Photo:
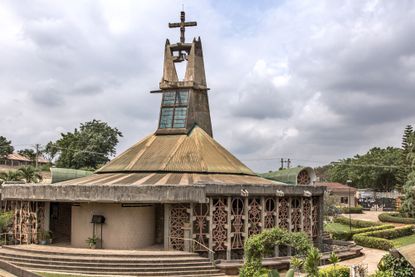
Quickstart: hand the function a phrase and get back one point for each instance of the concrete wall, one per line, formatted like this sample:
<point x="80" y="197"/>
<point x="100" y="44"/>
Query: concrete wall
<point x="339" y="195"/>
<point x="124" y="228"/>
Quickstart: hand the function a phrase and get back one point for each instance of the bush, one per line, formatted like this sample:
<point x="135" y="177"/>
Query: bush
<point x="347" y="235"/>
<point x="381" y="239"/>
<point x="373" y="242"/>
<point x="352" y="210"/>
<point x="382" y="274"/>
<point x="258" y="245"/>
<point x="397" y="266"/>
<point x="5" y="219"/>
<point x="356" y="222"/>
<point x="396" y="218"/>
<point x="335" y="271"/>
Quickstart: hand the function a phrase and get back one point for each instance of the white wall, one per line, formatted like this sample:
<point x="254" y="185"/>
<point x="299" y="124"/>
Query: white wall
<point x="124" y="228"/>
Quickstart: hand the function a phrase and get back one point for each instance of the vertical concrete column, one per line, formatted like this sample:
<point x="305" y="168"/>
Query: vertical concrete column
<point x="276" y="248"/>
<point x="320" y="219"/>
<point x="211" y="227"/>
<point x="277" y="218"/>
<point x="46" y="223"/>
<point x="302" y="213"/>
<point x="246" y="218"/>
<point x="167" y="208"/>
<point x="262" y="213"/>
<point x="311" y="217"/>
<point x="191" y="222"/>
<point x="229" y="229"/>
<point x="187" y="234"/>
<point x="289" y="222"/>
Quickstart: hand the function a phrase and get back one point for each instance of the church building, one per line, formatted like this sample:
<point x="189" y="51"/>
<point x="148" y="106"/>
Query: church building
<point x="177" y="188"/>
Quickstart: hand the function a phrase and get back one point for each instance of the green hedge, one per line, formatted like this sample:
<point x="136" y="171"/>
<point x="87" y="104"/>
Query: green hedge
<point x="356" y="222"/>
<point x="352" y="210"/>
<point x="335" y="271"/>
<point x="347" y="235"/>
<point x="396" y="218"/>
<point x="381" y="239"/>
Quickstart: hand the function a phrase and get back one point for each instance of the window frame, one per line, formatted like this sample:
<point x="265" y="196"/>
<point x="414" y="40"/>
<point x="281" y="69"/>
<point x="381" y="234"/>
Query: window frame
<point x="178" y="104"/>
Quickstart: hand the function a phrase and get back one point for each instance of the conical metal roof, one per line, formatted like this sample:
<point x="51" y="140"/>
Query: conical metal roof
<point x="195" y="152"/>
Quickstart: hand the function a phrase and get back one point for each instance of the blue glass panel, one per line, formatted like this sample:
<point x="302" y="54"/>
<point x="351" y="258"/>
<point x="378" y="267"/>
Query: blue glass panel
<point x="169" y="98"/>
<point x="180" y="117"/>
<point x="166" y="118"/>
<point x="182" y="97"/>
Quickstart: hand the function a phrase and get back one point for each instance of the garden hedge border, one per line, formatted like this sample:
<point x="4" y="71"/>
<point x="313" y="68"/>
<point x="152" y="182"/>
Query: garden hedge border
<point x="395" y="218"/>
<point x="335" y="270"/>
<point x="347" y="235"/>
<point x="352" y="210"/>
<point x="381" y="239"/>
<point x="356" y="222"/>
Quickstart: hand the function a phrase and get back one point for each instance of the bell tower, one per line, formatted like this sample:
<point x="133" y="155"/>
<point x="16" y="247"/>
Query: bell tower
<point x="184" y="102"/>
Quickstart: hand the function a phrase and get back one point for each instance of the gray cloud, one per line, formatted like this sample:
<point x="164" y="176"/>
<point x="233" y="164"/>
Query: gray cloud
<point x="312" y="81"/>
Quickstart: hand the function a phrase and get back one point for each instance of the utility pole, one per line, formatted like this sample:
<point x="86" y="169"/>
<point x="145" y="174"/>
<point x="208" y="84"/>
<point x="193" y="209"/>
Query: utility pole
<point x="37" y="154"/>
<point x="288" y="162"/>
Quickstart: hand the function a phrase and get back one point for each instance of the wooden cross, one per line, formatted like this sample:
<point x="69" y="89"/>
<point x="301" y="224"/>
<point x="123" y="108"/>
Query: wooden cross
<point x="182" y="25"/>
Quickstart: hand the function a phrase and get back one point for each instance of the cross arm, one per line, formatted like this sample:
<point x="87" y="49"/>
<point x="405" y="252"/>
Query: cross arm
<point x="191" y="23"/>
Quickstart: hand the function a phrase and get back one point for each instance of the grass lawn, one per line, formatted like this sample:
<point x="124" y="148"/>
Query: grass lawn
<point x="337" y="227"/>
<point x="402" y="241"/>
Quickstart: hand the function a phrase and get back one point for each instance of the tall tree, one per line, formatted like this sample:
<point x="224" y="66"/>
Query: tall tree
<point x="50" y="151"/>
<point x="376" y="169"/>
<point x="89" y="147"/>
<point x="6" y="148"/>
<point x="408" y="205"/>
<point x="28" y="153"/>
<point x="407" y="148"/>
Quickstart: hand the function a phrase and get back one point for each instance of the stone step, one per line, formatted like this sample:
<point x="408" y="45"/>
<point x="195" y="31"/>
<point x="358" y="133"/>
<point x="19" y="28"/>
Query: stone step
<point x="204" y="273"/>
<point x="73" y="259"/>
<point x="120" y="264"/>
<point x="120" y="270"/>
<point x="100" y="263"/>
<point x="55" y="251"/>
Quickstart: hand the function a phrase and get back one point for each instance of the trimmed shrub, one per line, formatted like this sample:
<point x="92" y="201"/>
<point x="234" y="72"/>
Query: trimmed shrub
<point x="373" y="242"/>
<point x="396" y="218"/>
<point x="356" y="222"/>
<point x="347" y="235"/>
<point x="381" y="239"/>
<point x="352" y="210"/>
<point x="335" y="271"/>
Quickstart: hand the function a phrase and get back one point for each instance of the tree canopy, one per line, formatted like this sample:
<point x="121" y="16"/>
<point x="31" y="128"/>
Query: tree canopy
<point x="408" y="142"/>
<point x="90" y="146"/>
<point x="6" y="147"/>
<point x="377" y="169"/>
<point x="28" y="153"/>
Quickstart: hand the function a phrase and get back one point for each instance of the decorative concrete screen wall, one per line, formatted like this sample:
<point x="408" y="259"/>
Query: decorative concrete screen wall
<point x="224" y="223"/>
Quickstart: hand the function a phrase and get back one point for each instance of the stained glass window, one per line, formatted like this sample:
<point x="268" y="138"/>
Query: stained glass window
<point x="174" y="109"/>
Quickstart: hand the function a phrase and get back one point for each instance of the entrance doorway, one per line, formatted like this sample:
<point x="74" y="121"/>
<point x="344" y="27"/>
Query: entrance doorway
<point x="60" y="221"/>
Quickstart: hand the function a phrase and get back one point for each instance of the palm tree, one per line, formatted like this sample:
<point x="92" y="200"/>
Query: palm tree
<point x="30" y="174"/>
<point x="10" y="176"/>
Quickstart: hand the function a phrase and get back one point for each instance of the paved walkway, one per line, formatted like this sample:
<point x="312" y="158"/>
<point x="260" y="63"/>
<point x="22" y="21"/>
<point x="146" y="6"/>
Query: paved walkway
<point x="371" y="257"/>
<point x="370" y="216"/>
<point x="6" y="274"/>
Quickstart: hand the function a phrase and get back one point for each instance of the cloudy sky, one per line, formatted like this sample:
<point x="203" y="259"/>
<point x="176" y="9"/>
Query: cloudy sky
<point x="311" y="80"/>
